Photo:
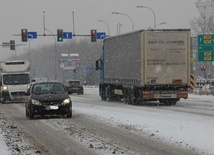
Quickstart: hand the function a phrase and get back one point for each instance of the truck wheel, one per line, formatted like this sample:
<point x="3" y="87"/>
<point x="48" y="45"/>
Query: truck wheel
<point x="130" y="97"/>
<point x="170" y="102"/>
<point x="173" y="102"/>
<point x="108" y="94"/>
<point x="103" y="98"/>
<point x="161" y="101"/>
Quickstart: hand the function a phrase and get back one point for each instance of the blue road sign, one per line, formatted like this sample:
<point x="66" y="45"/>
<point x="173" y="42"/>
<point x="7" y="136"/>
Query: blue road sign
<point x="78" y="64"/>
<point x="88" y="69"/>
<point x="101" y="35"/>
<point x="32" y="35"/>
<point x="67" y="35"/>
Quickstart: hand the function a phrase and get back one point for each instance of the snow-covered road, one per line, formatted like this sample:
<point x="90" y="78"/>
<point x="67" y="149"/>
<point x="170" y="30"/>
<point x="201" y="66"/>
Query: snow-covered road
<point x="189" y="130"/>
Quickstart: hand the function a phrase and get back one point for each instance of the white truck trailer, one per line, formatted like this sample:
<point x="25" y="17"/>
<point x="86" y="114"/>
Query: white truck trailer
<point x="14" y="80"/>
<point x="146" y="65"/>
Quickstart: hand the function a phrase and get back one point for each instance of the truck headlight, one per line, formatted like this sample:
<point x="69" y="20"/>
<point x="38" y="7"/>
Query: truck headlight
<point x="36" y="102"/>
<point x="28" y="86"/>
<point x="66" y="101"/>
<point x="5" y="88"/>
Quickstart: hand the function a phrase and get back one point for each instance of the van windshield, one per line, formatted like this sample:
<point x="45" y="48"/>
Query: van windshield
<point x="16" y="79"/>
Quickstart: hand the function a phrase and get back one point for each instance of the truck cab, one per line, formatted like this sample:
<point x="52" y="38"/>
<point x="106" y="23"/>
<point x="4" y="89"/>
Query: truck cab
<point x="14" y="80"/>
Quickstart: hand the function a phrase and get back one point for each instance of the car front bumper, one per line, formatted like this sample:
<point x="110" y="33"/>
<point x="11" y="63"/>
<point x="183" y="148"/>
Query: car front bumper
<point x="50" y="109"/>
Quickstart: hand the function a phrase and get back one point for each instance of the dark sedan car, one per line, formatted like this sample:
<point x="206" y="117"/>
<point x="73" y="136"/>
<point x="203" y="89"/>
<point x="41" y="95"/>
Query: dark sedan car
<point x="48" y="98"/>
<point x="74" y="86"/>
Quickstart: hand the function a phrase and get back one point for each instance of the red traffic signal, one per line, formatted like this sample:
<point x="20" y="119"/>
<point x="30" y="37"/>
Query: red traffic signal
<point x="24" y="35"/>
<point x="93" y="35"/>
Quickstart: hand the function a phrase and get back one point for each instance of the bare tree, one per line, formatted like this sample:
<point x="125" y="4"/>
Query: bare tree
<point x="205" y="23"/>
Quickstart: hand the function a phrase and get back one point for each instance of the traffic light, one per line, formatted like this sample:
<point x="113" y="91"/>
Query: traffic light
<point x="12" y="45"/>
<point x="97" y="64"/>
<point x="93" y="35"/>
<point x="24" y="35"/>
<point x="60" y="35"/>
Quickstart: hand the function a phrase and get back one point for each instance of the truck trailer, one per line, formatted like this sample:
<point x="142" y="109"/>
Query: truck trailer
<point x="145" y="65"/>
<point x="14" y="80"/>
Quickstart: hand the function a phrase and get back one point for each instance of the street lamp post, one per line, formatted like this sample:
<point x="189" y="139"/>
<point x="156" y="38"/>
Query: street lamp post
<point x="118" y="13"/>
<point x="106" y="25"/>
<point x="152" y="12"/>
<point x="118" y="28"/>
<point x="55" y="65"/>
<point x="161" y="24"/>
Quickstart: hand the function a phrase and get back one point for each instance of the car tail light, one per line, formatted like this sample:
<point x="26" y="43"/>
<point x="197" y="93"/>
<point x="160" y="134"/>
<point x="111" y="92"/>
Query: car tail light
<point x="68" y="85"/>
<point x="80" y="86"/>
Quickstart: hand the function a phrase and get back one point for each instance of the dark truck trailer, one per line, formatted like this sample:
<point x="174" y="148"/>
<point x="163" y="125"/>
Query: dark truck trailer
<point x="146" y="65"/>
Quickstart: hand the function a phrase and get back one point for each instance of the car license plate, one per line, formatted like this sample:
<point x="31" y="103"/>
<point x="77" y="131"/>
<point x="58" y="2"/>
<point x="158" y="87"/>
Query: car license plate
<point x="52" y="107"/>
<point x="165" y="95"/>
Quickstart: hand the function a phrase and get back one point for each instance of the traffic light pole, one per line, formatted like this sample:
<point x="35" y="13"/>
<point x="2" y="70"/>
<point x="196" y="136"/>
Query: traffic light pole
<point x="55" y="65"/>
<point x="44" y="23"/>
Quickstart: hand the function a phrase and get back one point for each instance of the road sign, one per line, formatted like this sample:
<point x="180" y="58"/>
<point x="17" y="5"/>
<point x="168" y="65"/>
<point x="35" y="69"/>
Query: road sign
<point x="5" y="44"/>
<point x="202" y="48"/>
<point x="78" y="64"/>
<point x="205" y="56"/>
<point x="206" y="47"/>
<point x="88" y="69"/>
<point x="101" y="35"/>
<point x="205" y="39"/>
<point x="67" y="35"/>
<point x="32" y="35"/>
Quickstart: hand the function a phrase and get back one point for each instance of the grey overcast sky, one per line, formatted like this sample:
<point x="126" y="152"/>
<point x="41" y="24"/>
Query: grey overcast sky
<point x="18" y="14"/>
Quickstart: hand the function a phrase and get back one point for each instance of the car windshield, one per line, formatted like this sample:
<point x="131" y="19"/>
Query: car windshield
<point x="74" y="83"/>
<point x="45" y="88"/>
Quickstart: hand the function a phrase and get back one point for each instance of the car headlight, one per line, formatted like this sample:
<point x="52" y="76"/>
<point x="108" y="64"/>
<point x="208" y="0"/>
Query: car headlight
<point x="36" y="102"/>
<point x="5" y="88"/>
<point x="66" y="101"/>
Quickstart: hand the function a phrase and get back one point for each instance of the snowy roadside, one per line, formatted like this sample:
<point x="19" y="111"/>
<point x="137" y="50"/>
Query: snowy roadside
<point x="188" y="130"/>
<point x="12" y="141"/>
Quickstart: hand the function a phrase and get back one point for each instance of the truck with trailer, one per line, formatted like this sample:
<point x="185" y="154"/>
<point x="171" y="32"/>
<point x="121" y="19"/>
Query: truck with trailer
<point x="14" y="80"/>
<point x="145" y="65"/>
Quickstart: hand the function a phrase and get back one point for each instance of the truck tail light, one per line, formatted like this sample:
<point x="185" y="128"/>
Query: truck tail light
<point x="184" y="92"/>
<point x="148" y="95"/>
<point x="145" y="93"/>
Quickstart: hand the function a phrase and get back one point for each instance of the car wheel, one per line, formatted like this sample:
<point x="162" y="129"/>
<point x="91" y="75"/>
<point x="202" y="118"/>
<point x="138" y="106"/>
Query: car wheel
<point x="31" y="114"/>
<point x="3" y="100"/>
<point x="69" y="114"/>
<point x="26" y="112"/>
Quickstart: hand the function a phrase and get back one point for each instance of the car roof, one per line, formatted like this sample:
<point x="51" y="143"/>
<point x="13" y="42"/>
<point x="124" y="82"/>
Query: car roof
<point x="73" y="80"/>
<point x="47" y="82"/>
